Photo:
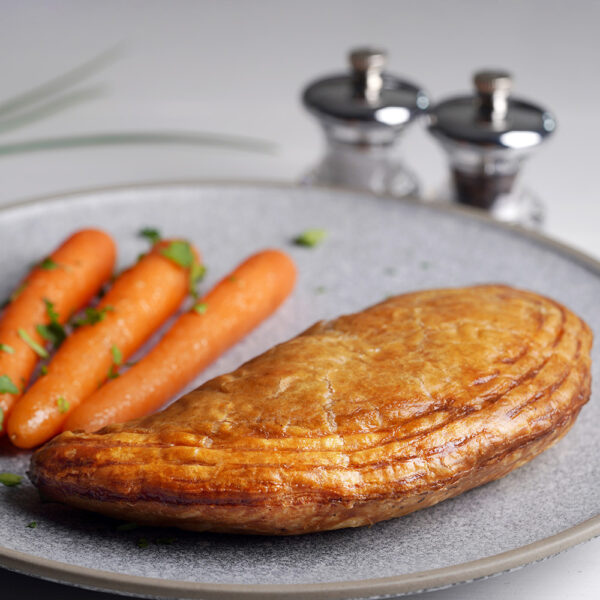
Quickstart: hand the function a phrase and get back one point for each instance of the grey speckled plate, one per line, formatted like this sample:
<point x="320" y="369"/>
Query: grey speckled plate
<point x="376" y="247"/>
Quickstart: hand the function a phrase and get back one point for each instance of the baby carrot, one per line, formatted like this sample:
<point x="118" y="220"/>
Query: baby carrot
<point x="54" y="289"/>
<point x="141" y="299"/>
<point x="236" y="305"/>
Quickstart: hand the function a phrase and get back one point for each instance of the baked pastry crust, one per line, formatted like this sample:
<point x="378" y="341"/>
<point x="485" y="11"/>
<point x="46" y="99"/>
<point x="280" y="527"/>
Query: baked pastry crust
<point x="363" y="418"/>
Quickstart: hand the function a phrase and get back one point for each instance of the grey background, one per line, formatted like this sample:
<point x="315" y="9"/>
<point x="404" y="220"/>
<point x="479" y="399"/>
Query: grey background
<point x="238" y="67"/>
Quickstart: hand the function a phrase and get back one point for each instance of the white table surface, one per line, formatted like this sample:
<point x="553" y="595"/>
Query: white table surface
<point x="237" y="68"/>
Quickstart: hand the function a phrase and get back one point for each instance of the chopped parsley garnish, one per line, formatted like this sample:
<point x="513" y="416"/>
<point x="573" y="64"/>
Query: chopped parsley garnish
<point x="7" y="386"/>
<point x="15" y="294"/>
<point x="48" y="264"/>
<point x="310" y="237"/>
<point x="54" y="332"/>
<point x="145" y="542"/>
<point x="10" y="479"/>
<point x="52" y="314"/>
<point x="6" y="348"/>
<point x="39" y="350"/>
<point x="18" y="291"/>
<point x="62" y="404"/>
<point x="151" y="234"/>
<point x="92" y="316"/>
<point x="166" y="541"/>
<point x="127" y="526"/>
<point x="44" y="370"/>
<point x="197" y="274"/>
<point x="117" y="355"/>
<point x="180" y="252"/>
<point x="200" y="308"/>
<point x="32" y="525"/>
<point x="113" y="372"/>
<point x="55" y="335"/>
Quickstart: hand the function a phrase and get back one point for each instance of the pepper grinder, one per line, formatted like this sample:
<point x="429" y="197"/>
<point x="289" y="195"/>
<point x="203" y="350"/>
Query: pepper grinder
<point x="362" y="114"/>
<point x="487" y="137"/>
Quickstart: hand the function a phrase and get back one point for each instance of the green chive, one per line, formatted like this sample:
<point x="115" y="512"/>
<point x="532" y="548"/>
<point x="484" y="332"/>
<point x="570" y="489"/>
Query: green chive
<point x="44" y="370"/>
<point x="63" y="405"/>
<point x="200" y="308"/>
<point x="310" y="237"/>
<point x="10" y="479"/>
<point x="7" y="386"/>
<point x="180" y="252"/>
<point x="6" y="348"/>
<point x="39" y="350"/>
<point x="32" y="525"/>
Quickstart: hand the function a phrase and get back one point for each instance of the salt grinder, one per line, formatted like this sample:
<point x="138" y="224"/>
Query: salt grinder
<point x="362" y="114"/>
<point x="487" y="137"/>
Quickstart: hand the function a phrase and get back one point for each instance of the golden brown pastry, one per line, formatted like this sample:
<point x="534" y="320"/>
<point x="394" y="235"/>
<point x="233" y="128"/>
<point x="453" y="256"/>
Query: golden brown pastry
<point x="363" y="418"/>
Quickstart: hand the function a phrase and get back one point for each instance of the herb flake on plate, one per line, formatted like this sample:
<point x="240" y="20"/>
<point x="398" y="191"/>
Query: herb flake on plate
<point x="10" y="479"/>
<point x="310" y="238"/>
<point x="151" y="234"/>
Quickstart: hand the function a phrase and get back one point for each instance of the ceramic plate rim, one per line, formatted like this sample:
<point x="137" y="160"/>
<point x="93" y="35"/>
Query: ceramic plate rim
<point x="365" y="588"/>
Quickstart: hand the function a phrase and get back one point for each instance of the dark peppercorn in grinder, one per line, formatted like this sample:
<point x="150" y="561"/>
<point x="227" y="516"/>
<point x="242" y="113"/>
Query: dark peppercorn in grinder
<point x="487" y="137"/>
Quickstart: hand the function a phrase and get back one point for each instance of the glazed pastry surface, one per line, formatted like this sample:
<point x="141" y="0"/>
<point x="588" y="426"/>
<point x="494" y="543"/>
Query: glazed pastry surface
<point x="363" y="418"/>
